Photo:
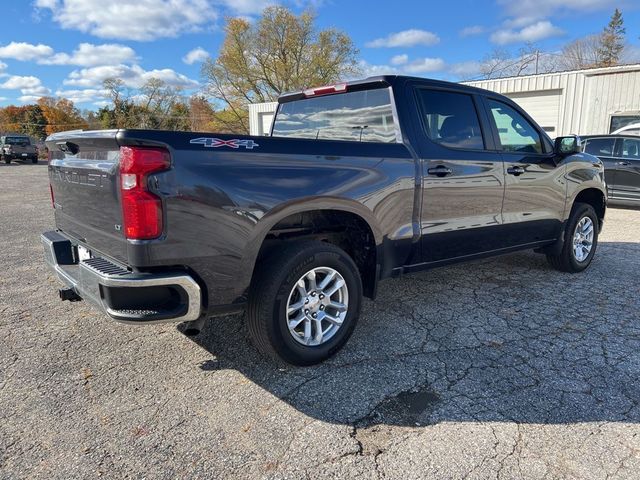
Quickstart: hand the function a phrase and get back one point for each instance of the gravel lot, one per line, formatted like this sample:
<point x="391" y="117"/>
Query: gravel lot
<point x="502" y="368"/>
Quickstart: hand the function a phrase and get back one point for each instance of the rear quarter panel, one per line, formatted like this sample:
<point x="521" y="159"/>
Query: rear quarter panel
<point x="222" y="202"/>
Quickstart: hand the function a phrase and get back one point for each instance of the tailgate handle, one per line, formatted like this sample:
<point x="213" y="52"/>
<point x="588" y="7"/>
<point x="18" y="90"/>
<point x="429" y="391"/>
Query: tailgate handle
<point x="440" y="171"/>
<point x="68" y="147"/>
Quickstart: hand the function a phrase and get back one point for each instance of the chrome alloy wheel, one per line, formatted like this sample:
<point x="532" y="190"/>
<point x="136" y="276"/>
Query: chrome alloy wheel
<point x="317" y="306"/>
<point x="583" y="239"/>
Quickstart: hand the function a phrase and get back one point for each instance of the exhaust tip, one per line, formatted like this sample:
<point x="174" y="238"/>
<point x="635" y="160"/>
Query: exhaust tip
<point x="193" y="329"/>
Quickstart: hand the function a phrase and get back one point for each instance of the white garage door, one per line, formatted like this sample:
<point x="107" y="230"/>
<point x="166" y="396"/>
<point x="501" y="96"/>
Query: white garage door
<point x="543" y="107"/>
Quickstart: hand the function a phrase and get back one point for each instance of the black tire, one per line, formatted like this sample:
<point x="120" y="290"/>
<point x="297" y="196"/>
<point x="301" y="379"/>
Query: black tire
<point x="274" y="280"/>
<point x="566" y="260"/>
<point x="6" y="160"/>
<point x="34" y="160"/>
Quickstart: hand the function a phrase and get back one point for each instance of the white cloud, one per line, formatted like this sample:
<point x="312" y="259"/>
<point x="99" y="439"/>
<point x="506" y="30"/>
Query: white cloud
<point x="406" y="38"/>
<point x="196" y="55"/>
<point x="400" y="59"/>
<point x="248" y="7"/>
<point x="545" y="8"/>
<point x="16" y="82"/>
<point x="87" y="95"/>
<point x="369" y="70"/>
<point x="131" y="19"/>
<point x="472" y="30"/>
<point x="133" y="76"/>
<point x="87" y="55"/>
<point x="414" y="67"/>
<point x="30" y="87"/>
<point x="425" y="65"/>
<point x="29" y="98"/>
<point x="25" y="51"/>
<point x="533" y="33"/>
<point x="465" y="70"/>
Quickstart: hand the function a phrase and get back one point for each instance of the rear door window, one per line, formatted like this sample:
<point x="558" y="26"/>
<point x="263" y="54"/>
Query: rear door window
<point x="363" y="116"/>
<point x="631" y="148"/>
<point x="516" y="133"/>
<point x="451" y="119"/>
<point x="602" y="147"/>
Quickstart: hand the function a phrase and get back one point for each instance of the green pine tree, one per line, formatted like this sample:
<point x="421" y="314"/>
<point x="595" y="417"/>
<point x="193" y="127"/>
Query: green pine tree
<point x="612" y="41"/>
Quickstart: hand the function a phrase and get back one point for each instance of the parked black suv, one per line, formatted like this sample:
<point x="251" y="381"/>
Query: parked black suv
<point x="621" y="157"/>
<point x="358" y="182"/>
<point x="17" y="147"/>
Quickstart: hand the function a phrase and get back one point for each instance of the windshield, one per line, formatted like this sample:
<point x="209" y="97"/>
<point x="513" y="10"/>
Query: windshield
<point x="17" y="141"/>
<point x="364" y="116"/>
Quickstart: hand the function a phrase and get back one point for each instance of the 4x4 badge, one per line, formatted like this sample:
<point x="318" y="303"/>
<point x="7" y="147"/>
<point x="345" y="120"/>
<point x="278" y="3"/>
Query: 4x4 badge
<point x="217" y="142"/>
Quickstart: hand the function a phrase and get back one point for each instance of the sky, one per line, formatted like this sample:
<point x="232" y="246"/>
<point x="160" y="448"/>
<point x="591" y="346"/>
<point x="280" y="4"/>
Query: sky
<point x="68" y="47"/>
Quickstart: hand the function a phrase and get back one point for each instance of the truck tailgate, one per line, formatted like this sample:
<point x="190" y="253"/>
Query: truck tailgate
<point x="83" y="172"/>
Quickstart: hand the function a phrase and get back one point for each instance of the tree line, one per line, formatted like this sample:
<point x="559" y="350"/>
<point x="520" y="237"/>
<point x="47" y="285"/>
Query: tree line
<point x="260" y="60"/>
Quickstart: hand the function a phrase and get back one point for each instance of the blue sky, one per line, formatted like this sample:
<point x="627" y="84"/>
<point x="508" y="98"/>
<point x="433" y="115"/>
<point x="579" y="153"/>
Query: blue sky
<point x="67" y="47"/>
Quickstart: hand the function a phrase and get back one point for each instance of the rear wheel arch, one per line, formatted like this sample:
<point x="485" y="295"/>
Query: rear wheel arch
<point x="347" y="229"/>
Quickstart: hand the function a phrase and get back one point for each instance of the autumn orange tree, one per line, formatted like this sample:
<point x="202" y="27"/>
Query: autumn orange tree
<point x="280" y="52"/>
<point x="27" y="119"/>
<point x="60" y="114"/>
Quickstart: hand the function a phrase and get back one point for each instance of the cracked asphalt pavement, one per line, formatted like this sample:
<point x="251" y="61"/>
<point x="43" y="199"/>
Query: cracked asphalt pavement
<point x="502" y="368"/>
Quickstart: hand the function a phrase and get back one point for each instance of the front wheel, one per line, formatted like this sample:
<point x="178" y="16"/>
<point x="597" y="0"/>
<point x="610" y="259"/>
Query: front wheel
<point x="580" y="241"/>
<point x="304" y="303"/>
<point x="6" y="160"/>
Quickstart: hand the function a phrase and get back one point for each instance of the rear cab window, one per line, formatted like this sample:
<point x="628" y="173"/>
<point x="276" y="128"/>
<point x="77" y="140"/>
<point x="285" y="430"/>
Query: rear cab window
<point x="451" y="119"/>
<point x="360" y="116"/>
<point x="17" y="141"/>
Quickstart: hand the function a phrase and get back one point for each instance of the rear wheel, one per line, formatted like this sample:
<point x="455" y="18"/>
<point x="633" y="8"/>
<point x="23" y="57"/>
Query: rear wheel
<point x="304" y="303"/>
<point x="580" y="241"/>
<point x="6" y="160"/>
<point x="34" y="160"/>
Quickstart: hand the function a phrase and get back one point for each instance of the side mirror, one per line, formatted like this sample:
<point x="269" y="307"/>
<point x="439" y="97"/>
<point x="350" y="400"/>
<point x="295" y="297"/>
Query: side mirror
<point x="565" y="146"/>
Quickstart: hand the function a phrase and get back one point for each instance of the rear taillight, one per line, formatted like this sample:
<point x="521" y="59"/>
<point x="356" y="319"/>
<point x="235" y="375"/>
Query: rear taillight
<point x="141" y="209"/>
<point x="53" y="200"/>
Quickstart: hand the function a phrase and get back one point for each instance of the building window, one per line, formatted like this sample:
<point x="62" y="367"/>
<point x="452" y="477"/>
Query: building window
<point x="619" y="121"/>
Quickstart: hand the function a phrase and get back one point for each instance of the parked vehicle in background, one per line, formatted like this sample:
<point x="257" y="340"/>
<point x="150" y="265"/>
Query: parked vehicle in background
<point x="358" y="182"/>
<point x="632" y="129"/>
<point x="17" y="147"/>
<point x="621" y="157"/>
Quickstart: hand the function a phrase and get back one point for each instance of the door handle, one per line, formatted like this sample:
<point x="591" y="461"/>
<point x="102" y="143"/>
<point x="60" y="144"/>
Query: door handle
<point x="623" y="163"/>
<point x="440" y="171"/>
<point x="515" y="171"/>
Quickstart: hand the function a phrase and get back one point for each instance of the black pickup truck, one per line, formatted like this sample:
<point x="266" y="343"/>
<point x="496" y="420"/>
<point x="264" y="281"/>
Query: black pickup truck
<point x="358" y="182"/>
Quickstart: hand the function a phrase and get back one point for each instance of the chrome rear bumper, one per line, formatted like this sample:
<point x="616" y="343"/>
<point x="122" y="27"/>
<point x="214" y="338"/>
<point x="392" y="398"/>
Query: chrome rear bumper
<point x="126" y="296"/>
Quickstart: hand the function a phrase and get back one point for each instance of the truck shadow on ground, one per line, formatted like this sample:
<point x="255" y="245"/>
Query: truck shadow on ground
<point x="506" y="339"/>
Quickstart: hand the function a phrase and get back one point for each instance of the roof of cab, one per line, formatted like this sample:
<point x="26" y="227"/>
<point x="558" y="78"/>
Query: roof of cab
<point x="380" y="81"/>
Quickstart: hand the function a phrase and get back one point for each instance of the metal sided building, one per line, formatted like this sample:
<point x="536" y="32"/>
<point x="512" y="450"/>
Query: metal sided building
<point x="583" y="102"/>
